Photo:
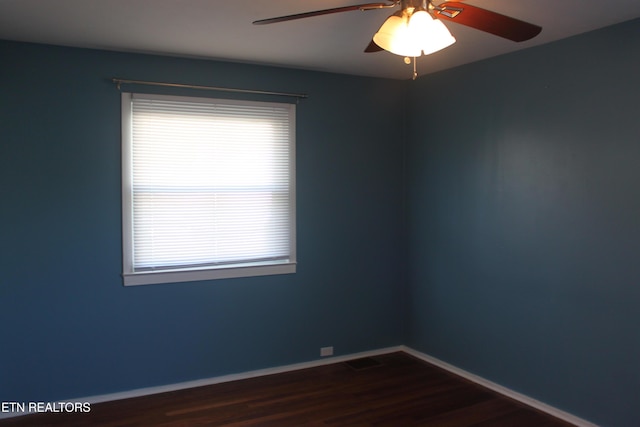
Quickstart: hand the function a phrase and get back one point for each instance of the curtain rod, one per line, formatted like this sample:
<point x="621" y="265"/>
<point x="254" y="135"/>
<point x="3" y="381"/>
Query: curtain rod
<point x="119" y="82"/>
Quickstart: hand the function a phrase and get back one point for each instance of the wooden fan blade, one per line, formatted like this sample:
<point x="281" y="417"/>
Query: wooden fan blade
<point x="487" y="21"/>
<point x="364" y="6"/>
<point x="373" y="47"/>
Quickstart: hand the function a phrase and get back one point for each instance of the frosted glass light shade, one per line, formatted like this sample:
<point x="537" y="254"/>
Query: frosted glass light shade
<point x="430" y="34"/>
<point x="411" y="35"/>
<point x="394" y="36"/>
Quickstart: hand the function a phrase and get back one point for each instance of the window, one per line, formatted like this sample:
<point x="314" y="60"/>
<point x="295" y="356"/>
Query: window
<point x="208" y="188"/>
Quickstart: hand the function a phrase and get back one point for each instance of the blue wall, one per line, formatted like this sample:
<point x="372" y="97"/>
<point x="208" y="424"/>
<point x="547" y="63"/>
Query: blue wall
<point x="70" y="328"/>
<point x="524" y="222"/>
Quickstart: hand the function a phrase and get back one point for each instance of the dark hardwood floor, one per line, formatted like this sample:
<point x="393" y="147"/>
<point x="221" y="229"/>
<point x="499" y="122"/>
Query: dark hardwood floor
<point x="399" y="391"/>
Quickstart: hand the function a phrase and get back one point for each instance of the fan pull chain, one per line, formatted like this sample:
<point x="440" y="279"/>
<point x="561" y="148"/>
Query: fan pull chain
<point x="407" y="61"/>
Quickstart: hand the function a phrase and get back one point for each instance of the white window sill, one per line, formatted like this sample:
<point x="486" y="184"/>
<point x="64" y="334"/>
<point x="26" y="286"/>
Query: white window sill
<point x="175" y="276"/>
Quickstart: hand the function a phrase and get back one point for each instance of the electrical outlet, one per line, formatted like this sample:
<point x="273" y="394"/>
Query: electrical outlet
<point x="326" y="351"/>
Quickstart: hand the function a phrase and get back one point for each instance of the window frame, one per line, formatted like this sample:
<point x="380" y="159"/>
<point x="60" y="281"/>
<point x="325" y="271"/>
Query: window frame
<point x="176" y="275"/>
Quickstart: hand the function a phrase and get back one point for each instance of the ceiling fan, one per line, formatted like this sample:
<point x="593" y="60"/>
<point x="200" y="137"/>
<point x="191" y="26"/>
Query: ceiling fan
<point x="413" y="31"/>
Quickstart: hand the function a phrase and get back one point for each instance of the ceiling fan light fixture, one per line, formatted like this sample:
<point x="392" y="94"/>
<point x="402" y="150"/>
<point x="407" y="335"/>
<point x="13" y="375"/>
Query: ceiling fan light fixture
<point x="411" y="34"/>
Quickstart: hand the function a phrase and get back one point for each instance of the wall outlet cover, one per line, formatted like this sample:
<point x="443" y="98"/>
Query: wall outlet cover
<point x="326" y="351"/>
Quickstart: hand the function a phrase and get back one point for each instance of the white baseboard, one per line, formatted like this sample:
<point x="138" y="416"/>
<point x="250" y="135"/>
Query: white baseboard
<point x="326" y="361"/>
<point x="221" y="379"/>
<point x="235" y="377"/>
<point x="529" y="401"/>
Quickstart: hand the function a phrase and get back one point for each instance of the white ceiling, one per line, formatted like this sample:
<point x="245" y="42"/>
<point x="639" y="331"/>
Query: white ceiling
<point x="222" y="30"/>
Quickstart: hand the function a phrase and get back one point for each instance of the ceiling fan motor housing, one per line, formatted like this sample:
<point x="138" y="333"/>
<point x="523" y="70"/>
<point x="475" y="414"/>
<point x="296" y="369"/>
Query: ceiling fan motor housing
<point x="412" y="5"/>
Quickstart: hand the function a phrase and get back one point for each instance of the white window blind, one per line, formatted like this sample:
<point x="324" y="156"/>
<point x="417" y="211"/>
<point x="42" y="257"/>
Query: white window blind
<point x="208" y="188"/>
